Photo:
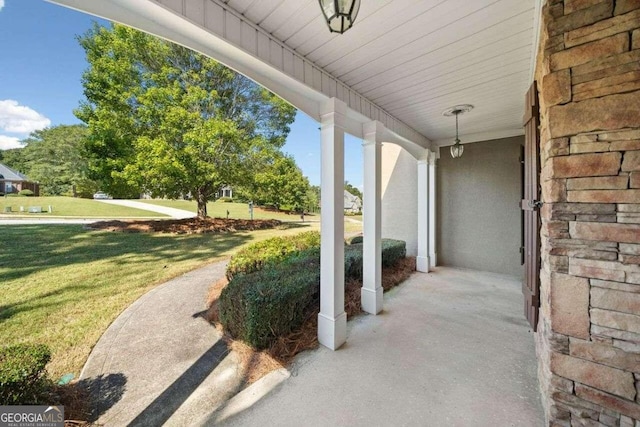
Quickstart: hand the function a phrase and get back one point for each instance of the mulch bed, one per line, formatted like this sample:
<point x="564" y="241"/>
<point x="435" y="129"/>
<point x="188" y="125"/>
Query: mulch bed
<point x="186" y="226"/>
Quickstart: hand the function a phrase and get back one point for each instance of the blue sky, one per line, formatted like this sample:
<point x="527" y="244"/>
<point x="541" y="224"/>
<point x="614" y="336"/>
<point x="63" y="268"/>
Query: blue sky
<point x="41" y="65"/>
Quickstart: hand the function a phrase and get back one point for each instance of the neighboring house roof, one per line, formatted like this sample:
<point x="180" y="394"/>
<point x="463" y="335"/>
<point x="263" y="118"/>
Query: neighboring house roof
<point x="352" y="202"/>
<point x="8" y="174"/>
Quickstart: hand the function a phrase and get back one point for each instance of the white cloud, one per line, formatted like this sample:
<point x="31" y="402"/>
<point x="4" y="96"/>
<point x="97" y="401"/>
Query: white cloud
<point x="16" y="118"/>
<point x="9" y="142"/>
<point x="1" y="4"/>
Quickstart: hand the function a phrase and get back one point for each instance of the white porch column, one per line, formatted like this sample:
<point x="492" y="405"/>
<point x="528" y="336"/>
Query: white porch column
<point x="371" y="293"/>
<point x="332" y="320"/>
<point x="422" y="260"/>
<point x="433" y="255"/>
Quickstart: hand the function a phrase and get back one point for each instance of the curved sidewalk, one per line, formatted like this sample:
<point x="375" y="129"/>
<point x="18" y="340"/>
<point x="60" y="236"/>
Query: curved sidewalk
<point x="172" y="212"/>
<point x="160" y="362"/>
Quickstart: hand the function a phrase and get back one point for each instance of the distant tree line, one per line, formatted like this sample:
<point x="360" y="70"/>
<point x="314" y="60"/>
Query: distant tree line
<point x="56" y="158"/>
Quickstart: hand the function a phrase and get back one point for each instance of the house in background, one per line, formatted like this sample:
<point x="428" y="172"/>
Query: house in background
<point x="352" y="203"/>
<point x="225" y="191"/>
<point x="550" y="173"/>
<point x="13" y="182"/>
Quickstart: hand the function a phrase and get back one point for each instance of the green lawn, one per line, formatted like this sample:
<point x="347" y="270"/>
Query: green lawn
<point x="62" y="285"/>
<point x="236" y="210"/>
<point x="352" y="224"/>
<point x="69" y="206"/>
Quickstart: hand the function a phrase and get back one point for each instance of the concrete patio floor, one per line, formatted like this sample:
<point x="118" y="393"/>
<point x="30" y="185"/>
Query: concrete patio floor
<point x="451" y="348"/>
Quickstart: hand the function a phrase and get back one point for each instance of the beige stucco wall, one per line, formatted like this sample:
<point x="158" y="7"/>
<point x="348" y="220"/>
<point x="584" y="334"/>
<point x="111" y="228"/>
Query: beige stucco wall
<point x="478" y="210"/>
<point x="399" y="196"/>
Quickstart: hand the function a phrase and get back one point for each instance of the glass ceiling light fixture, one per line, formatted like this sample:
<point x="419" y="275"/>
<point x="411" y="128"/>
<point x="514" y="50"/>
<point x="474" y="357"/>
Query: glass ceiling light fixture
<point x="339" y="14"/>
<point x="457" y="149"/>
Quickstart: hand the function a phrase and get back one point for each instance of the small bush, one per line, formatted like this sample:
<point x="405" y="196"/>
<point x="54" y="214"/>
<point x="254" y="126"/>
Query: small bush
<point x="259" y="307"/>
<point x="23" y="378"/>
<point x="355" y="240"/>
<point x="26" y="193"/>
<point x="225" y="199"/>
<point x="256" y="255"/>
<point x="392" y="252"/>
<point x="353" y="261"/>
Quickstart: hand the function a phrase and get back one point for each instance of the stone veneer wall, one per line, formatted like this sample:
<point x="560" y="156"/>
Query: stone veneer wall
<point x="588" y="338"/>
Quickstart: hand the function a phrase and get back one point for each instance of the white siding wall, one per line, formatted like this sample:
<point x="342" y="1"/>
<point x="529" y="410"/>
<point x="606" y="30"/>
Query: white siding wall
<point x="399" y="196"/>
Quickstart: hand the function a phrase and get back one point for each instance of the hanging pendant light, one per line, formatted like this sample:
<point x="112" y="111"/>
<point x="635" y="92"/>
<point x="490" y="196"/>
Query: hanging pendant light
<point x="457" y="149"/>
<point x="339" y="14"/>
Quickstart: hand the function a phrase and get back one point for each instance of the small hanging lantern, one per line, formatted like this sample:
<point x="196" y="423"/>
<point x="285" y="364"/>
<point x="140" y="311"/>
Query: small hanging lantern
<point x="339" y="14"/>
<point x="457" y="149"/>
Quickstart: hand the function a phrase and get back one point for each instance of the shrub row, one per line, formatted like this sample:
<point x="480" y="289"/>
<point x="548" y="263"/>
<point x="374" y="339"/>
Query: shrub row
<point x="275" y="297"/>
<point x="276" y="249"/>
<point x="265" y="304"/>
<point x="392" y="252"/>
<point x="23" y="378"/>
<point x="21" y="193"/>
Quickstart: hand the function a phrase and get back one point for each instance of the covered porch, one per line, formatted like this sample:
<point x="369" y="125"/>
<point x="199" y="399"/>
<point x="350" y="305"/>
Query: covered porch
<point x="387" y="81"/>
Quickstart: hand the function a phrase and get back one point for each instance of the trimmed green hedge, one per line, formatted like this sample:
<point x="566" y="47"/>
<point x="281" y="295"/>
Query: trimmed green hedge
<point x="259" y="307"/>
<point x="255" y="256"/>
<point x="356" y="239"/>
<point x="275" y="297"/>
<point x="393" y="251"/>
<point x="23" y="378"/>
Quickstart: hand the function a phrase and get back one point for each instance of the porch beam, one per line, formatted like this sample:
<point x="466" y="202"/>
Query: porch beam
<point x="371" y="292"/>
<point x="332" y="320"/>
<point x="433" y="255"/>
<point x="422" y="260"/>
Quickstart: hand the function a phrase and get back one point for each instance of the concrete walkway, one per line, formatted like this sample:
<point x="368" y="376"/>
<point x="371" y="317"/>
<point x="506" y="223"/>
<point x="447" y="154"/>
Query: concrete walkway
<point x="451" y="348"/>
<point x="172" y="212"/>
<point x="160" y="362"/>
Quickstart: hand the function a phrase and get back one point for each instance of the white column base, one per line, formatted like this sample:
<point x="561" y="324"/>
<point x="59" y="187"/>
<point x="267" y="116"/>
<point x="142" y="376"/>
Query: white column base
<point x="332" y="333"/>
<point x="423" y="264"/>
<point x="371" y="300"/>
<point x="434" y="259"/>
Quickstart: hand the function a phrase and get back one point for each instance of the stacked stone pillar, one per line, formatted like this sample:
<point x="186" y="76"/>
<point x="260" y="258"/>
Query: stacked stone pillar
<point x="588" y="339"/>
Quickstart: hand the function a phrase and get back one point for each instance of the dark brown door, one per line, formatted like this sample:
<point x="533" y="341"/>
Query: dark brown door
<point x="530" y="206"/>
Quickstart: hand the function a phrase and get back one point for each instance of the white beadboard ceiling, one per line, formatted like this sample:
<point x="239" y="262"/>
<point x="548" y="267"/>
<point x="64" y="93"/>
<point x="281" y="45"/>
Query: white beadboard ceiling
<point x="415" y="58"/>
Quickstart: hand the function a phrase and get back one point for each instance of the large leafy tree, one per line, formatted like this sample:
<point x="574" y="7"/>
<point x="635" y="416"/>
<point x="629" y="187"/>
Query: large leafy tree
<point x="169" y="121"/>
<point x="313" y="199"/>
<point x="282" y="184"/>
<point x="14" y="159"/>
<point x="55" y="158"/>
